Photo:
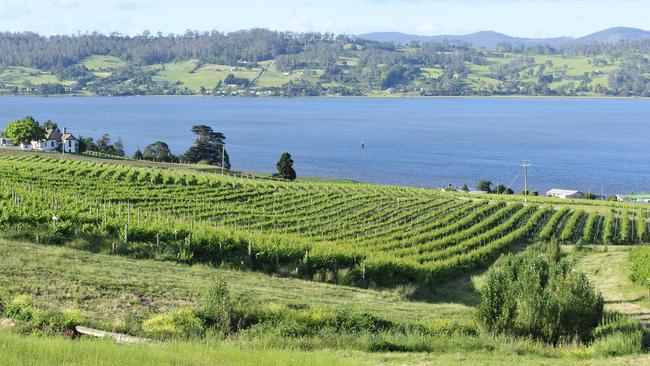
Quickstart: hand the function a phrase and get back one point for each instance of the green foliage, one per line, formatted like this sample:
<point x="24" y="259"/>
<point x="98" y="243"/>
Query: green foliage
<point x="158" y="151"/>
<point x="217" y="306"/>
<point x="22" y="308"/>
<point x="209" y="146"/>
<point x="178" y="323"/>
<point x="535" y="295"/>
<point x="484" y="185"/>
<point x="640" y="258"/>
<point x="352" y="234"/>
<point x="24" y="130"/>
<point x="609" y="228"/>
<point x="285" y="167"/>
<point x="618" y="335"/>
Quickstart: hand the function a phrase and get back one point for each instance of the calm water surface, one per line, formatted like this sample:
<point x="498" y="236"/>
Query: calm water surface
<point x="572" y="143"/>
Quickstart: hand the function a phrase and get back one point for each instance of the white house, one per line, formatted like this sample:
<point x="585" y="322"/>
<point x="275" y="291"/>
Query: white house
<point x="54" y="140"/>
<point x="51" y="141"/>
<point x="564" y="193"/>
<point x="5" y="142"/>
<point x="70" y="143"/>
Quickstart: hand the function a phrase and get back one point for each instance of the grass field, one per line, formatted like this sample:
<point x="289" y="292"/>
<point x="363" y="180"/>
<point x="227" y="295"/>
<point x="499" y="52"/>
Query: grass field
<point x="112" y="290"/>
<point x="192" y="75"/>
<point x="48" y="351"/>
<point x="17" y="76"/>
<point x="610" y="269"/>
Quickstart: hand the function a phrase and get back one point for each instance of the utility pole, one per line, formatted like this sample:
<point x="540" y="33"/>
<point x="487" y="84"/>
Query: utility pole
<point x="525" y="164"/>
<point x="223" y="158"/>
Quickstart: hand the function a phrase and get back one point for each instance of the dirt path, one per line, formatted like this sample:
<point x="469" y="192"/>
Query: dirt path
<point x="610" y="273"/>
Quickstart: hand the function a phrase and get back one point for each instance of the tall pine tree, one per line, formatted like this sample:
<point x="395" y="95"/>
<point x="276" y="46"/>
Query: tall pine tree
<point x="208" y="147"/>
<point x="285" y="167"/>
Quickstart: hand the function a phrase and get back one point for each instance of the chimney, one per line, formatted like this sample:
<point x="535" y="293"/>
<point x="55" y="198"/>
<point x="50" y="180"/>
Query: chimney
<point x="65" y="130"/>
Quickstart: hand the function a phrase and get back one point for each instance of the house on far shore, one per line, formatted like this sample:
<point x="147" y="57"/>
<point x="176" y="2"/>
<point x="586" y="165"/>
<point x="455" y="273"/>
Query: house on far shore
<point x="477" y="192"/>
<point x="5" y="142"/>
<point x="54" y="140"/>
<point x="633" y="198"/>
<point x="564" y="193"/>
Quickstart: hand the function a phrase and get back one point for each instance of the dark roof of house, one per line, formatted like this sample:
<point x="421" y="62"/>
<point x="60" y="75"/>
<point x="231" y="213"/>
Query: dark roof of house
<point x="52" y="134"/>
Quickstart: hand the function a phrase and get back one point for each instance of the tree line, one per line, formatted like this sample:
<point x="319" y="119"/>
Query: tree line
<point x="209" y="146"/>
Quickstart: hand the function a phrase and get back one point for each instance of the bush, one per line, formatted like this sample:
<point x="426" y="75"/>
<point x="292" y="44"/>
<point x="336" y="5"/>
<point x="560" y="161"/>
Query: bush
<point x="22" y="308"/>
<point x="535" y="294"/>
<point x="217" y="306"/>
<point x="640" y="258"/>
<point x="179" y="323"/>
<point x="619" y="344"/>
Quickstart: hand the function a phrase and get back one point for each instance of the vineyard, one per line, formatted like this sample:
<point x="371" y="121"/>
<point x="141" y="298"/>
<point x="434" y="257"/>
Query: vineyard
<point x="336" y="232"/>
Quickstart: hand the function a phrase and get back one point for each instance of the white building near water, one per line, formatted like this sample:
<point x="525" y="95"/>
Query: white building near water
<point x="564" y="193"/>
<point x="54" y="140"/>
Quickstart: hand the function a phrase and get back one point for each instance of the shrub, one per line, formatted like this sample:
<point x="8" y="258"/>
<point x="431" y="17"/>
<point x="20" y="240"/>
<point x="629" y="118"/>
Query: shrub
<point x="22" y="308"/>
<point x="640" y="258"/>
<point x="217" y="306"/>
<point x="179" y="323"/>
<point x="619" y="344"/>
<point x="535" y="294"/>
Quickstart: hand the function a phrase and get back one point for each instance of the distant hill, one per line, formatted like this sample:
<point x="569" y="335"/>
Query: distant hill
<point x="617" y="34"/>
<point x="489" y="40"/>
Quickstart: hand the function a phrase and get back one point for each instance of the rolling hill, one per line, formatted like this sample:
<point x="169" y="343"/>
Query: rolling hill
<point x="490" y="40"/>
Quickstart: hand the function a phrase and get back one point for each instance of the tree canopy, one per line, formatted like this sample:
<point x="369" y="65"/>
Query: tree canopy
<point x="158" y="151"/>
<point x="24" y="130"/>
<point x="208" y="147"/>
<point x="484" y="185"/>
<point x="285" y="167"/>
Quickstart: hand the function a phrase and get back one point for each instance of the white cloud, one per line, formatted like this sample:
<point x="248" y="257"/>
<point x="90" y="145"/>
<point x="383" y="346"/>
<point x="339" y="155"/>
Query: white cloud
<point x="14" y="12"/>
<point x="327" y="25"/>
<point x="299" y="24"/>
<point x="66" y="3"/>
<point x="428" y="26"/>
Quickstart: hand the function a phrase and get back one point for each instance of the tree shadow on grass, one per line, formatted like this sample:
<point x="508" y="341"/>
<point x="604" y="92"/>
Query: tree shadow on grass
<point x="461" y="290"/>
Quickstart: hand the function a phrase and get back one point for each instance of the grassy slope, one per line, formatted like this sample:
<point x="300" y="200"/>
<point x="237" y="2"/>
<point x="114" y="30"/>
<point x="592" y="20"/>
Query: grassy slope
<point x="192" y="75"/>
<point x="610" y="269"/>
<point x="113" y="288"/>
<point x="109" y="287"/>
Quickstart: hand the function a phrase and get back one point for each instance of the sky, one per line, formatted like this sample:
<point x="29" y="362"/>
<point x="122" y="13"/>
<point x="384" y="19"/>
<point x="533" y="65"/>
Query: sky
<point x="524" y="18"/>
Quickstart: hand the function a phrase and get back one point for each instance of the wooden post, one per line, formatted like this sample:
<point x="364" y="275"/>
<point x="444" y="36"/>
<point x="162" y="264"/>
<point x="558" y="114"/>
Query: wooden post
<point x="250" y="254"/>
<point x="363" y="273"/>
<point x="158" y="242"/>
<point x="126" y="233"/>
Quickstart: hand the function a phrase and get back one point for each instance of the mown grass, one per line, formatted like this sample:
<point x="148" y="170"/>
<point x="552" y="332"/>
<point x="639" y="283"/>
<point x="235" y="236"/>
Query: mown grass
<point x="17" y="76"/>
<point x="103" y="66"/>
<point x="610" y="269"/>
<point x="115" y="289"/>
<point x="192" y="75"/>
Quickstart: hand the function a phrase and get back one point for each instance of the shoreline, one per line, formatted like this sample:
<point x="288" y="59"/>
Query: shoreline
<point x="496" y="97"/>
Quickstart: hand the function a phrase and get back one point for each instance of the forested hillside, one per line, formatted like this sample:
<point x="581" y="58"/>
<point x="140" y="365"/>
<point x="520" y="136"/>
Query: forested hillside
<point x="261" y="62"/>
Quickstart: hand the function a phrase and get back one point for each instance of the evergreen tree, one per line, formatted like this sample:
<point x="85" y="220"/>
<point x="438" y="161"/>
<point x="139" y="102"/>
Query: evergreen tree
<point x="208" y="147"/>
<point x="285" y="167"/>
<point x="137" y="155"/>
